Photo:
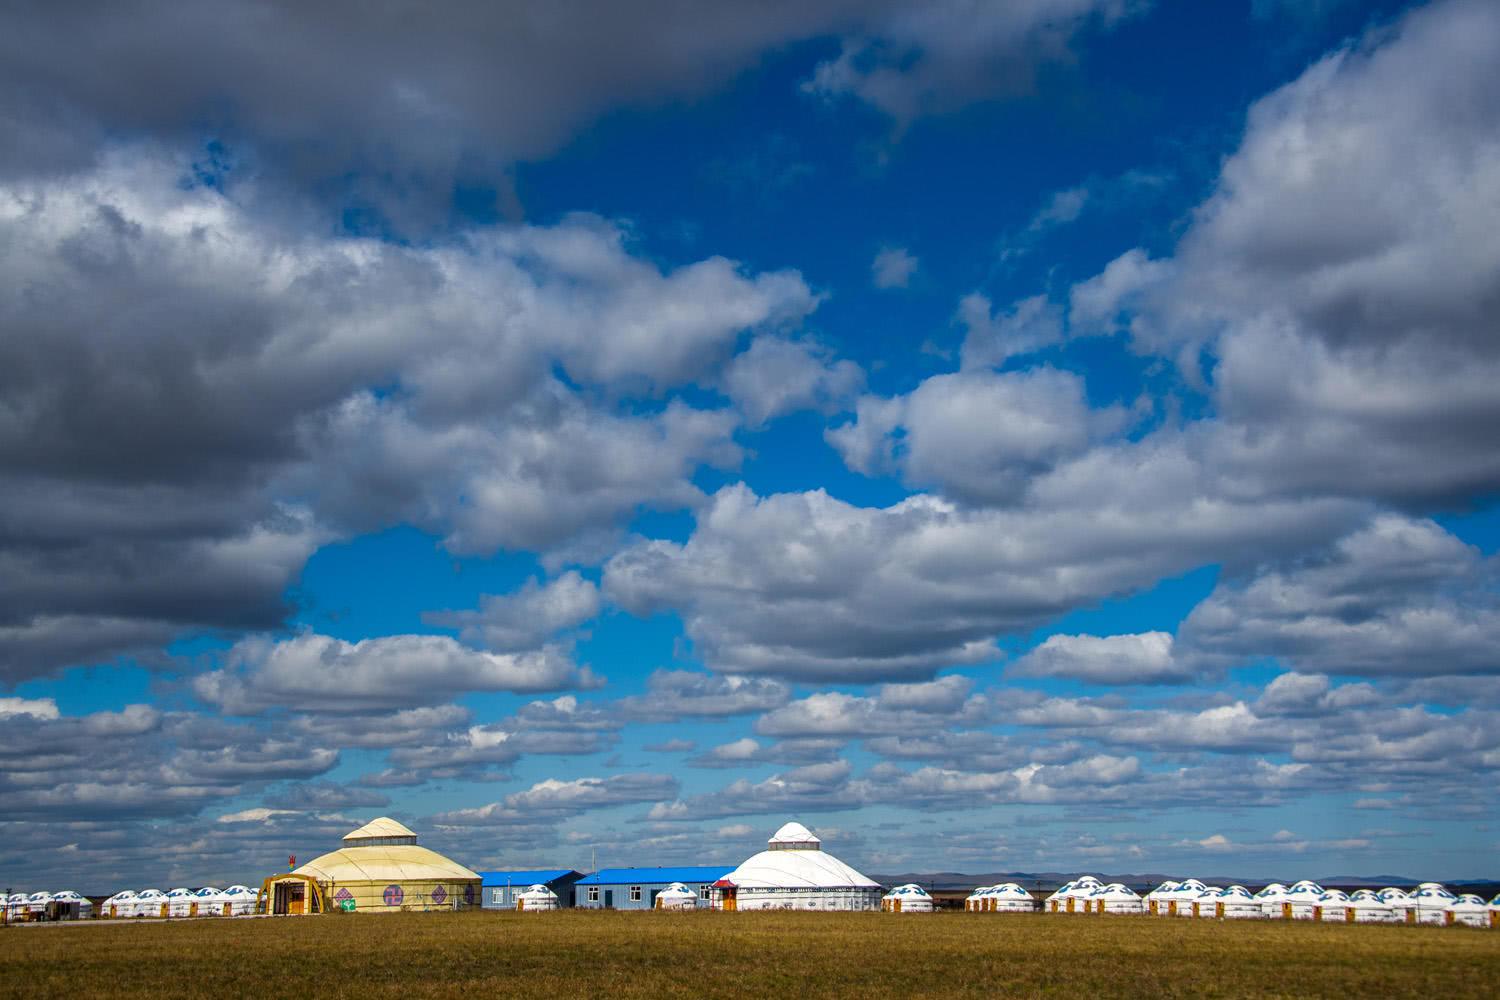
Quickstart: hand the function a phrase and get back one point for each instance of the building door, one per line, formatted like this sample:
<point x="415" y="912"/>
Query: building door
<point x="731" y="899"/>
<point x="609" y="898"/>
<point x="654" y="894"/>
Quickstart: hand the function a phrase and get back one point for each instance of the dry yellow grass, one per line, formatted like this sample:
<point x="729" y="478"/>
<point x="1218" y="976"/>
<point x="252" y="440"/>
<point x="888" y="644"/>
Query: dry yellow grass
<point x="793" y="955"/>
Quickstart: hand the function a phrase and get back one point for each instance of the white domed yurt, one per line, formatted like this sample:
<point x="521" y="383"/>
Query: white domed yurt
<point x="1333" y="907"/>
<point x="1206" y="905"/>
<point x="1303" y="897"/>
<point x="149" y="903"/>
<point x="908" y="898"/>
<point x="239" y="900"/>
<point x="1009" y="897"/>
<point x="1368" y="908"/>
<point x="1180" y="901"/>
<point x="181" y="902"/>
<point x="1156" y="899"/>
<point x="15" y="907"/>
<point x="1430" y="903"/>
<point x="795" y="873"/>
<point x="1469" y="909"/>
<point x="538" y="898"/>
<point x="209" y="902"/>
<point x="1402" y="909"/>
<point x="1275" y="901"/>
<point x="1236" y="903"/>
<point x="677" y="896"/>
<point x="1116" y="898"/>
<point x="82" y="907"/>
<point x="1083" y="891"/>
<point x="36" y="904"/>
<point x="975" y="902"/>
<point x="121" y="904"/>
<point x="1058" y="901"/>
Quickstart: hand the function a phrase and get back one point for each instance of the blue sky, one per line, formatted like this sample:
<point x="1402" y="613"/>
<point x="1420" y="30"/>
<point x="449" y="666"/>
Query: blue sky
<point x="1040" y="437"/>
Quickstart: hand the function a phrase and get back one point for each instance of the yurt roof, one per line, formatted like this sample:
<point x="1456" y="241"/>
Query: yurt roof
<point x="1190" y="885"/>
<point x="1272" y="889"/>
<point x="1334" y="896"/>
<point x="17" y="897"/>
<point x="538" y="890"/>
<point x="239" y="890"/>
<point x="909" y="889"/>
<point x="1468" y="901"/>
<point x="1391" y="892"/>
<point x="794" y="836"/>
<point x="207" y="890"/>
<point x="1305" y="889"/>
<point x="1431" y="890"/>
<point x="150" y="894"/>
<point x="386" y="863"/>
<point x="792" y="869"/>
<point x="381" y="826"/>
<point x="39" y="897"/>
<point x="181" y="892"/>
<point x="1116" y="890"/>
<point x="1236" y="892"/>
<point x="1167" y="886"/>
<point x="1010" y="889"/>
<point x="677" y="889"/>
<point x="1366" y="894"/>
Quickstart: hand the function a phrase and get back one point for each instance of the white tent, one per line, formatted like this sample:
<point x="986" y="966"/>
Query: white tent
<point x="1180" y="900"/>
<point x="148" y="903"/>
<point x="677" y="896"/>
<point x="795" y="873"/>
<point x="1058" y="901"/>
<point x="36" y="903"/>
<point x="1274" y="901"/>
<point x="210" y="902"/>
<point x="1333" y="907"/>
<point x="15" y="906"/>
<point x="1368" y="908"/>
<point x="1403" y="910"/>
<point x="908" y="898"/>
<point x="1304" y="899"/>
<point x="975" y="902"/>
<point x="1116" y="898"/>
<point x="1008" y="897"/>
<point x="1207" y="902"/>
<point x="1235" y="903"/>
<point x="121" y="904"/>
<point x="1156" y="899"/>
<point x="241" y="900"/>
<point x="1469" y="909"/>
<point x="85" y="907"/>
<point x="1430" y="903"/>
<point x="536" y="899"/>
<point x="180" y="902"/>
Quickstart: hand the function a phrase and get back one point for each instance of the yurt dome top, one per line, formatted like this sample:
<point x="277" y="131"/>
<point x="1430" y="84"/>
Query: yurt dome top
<point x="1334" y="896"/>
<point x="794" y="859"/>
<point x="1306" y="890"/>
<point x="1432" y="892"/>
<point x="380" y="832"/>
<point x="677" y="891"/>
<point x="39" y="897"/>
<point x="908" y="891"/>
<point x="150" y="894"/>
<point x="1235" y="892"/>
<point x="239" y="890"/>
<point x="1271" y="890"/>
<point x="385" y="851"/>
<point x="181" y="892"/>
<point x="982" y="890"/>
<point x="1010" y="889"/>
<point x="123" y="894"/>
<point x="1496" y="900"/>
<point x="538" y="891"/>
<point x="1431" y="885"/>
<point x="1087" y="882"/>
<point x="67" y="895"/>
<point x="1468" y="900"/>
<point x="207" y="891"/>
<point x="794" y="837"/>
<point x="1391" y="894"/>
<point x="1365" y="896"/>
<point x="1115" y="891"/>
<point x="1190" y="886"/>
<point x="1165" y="887"/>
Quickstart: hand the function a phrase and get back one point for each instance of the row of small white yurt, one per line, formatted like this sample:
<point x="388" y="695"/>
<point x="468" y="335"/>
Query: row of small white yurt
<point x="33" y="906"/>
<point x="537" y="899"/>
<point x="236" y="901"/>
<point x="1429" y="903"/>
<point x="1007" y="897"/>
<point x="908" y="898"/>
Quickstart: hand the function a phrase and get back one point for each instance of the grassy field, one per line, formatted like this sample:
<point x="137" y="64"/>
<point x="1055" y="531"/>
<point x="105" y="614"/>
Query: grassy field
<point x="791" y="955"/>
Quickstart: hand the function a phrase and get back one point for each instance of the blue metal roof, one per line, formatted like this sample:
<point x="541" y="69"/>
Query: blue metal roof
<point x="640" y="876"/>
<point x="524" y="878"/>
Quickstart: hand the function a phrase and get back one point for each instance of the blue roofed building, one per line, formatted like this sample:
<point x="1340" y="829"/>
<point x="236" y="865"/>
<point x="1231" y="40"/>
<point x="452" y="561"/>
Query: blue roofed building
<point x="499" y="890"/>
<point x="637" y="888"/>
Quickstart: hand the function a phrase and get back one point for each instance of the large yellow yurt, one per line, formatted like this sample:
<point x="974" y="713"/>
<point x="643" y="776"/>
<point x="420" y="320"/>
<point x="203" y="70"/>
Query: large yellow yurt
<point x="380" y="869"/>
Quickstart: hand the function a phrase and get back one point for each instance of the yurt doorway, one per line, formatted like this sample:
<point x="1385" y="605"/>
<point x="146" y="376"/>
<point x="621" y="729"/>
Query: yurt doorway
<point x="291" y="898"/>
<point x="731" y="898"/>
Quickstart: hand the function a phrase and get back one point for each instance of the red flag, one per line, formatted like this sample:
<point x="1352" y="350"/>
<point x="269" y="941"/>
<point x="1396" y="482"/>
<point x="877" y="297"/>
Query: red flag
<point x="291" y="861"/>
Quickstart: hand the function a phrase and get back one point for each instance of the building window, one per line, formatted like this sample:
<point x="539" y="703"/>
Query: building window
<point x="703" y="891"/>
<point x="497" y="896"/>
<point x="593" y="894"/>
<point x="635" y="894"/>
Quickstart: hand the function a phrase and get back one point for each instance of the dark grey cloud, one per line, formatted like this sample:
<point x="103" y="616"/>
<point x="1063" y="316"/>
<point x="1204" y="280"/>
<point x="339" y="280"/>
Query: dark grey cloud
<point x="435" y="91"/>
